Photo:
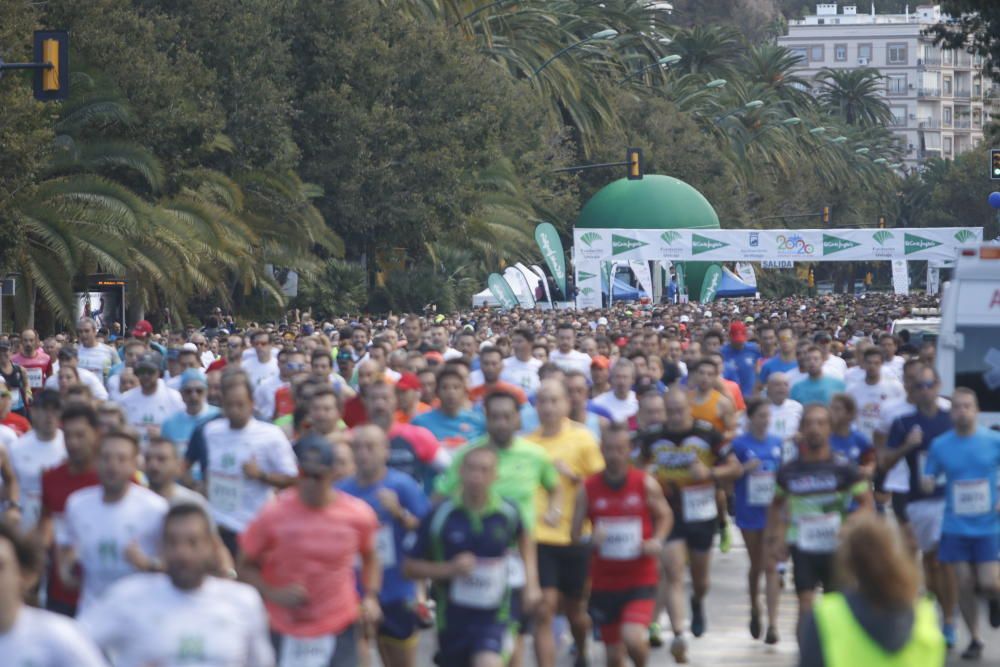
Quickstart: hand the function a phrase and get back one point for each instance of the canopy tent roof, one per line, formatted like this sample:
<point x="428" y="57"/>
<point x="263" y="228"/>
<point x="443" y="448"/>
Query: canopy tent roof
<point x="732" y="286"/>
<point x="654" y="202"/>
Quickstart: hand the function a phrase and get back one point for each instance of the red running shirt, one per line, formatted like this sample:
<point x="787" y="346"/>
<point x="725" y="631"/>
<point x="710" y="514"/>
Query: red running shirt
<point x="623" y="516"/>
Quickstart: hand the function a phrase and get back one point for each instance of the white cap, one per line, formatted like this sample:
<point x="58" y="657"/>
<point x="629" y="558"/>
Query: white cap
<point x="685" y="319"/>
<point x="708" y="313"/>
<point x="602" y="320"/>
<point x="189" y="347"/>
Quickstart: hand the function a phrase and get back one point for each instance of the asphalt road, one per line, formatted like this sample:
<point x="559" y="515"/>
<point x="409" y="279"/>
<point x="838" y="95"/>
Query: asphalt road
<point x="727" y="641"/>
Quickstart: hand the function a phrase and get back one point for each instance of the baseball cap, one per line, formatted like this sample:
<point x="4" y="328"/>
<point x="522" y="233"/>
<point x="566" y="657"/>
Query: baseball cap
<point x="193" y="376"/>
<point x="66" y="352"/>
<point x="149" y="360"/>
<point x="738" y="332"/>
<point x="142" y="329"/>
<point x="189" y="347"/>
<point x="602" y="321"/>
<point x="434" y="356"/>
<point x="600" y="361"/>
<point x="408" y="382"/>
<point x="685" y="319"/>
<point x="314" y="449"/>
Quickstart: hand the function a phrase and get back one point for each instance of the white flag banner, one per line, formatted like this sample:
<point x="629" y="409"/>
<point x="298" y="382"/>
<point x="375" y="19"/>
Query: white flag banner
<point x="746" y="273"/>
<point x="900" y="277"/>
<point x="522" y="290"/>
<point x="545" y="283"/>
<point x="933" y="278"/>
<point x="642" y="275"/>
<point x="588" y="282"/>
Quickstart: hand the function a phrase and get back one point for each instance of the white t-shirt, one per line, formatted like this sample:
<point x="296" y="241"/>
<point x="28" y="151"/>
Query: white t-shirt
<point x="100" y="533"/>
<point x="871" y="400"/>
<point x="620" y="409"/>
<point x="235" y="500"/>
<point x="476" y="379"/>
<point x="263" y="396"/>
<point x="91" y="380"/>
<point x="145" y="412"/>
<point x="834" y="367"/>
<point x="41" y="638"/>
<point x="451" y="353"/>
<point x="98" y="359"/>
<point x="894" y="367"/>
<point x="30" y="457"/>
<point x="785" y="420"/>
<point x="523" y="374"/>
<point x="207" y="358"/>
<point x="221" y="623"/>
<point x="259" y="371"/>
<point x="572" y="360"/>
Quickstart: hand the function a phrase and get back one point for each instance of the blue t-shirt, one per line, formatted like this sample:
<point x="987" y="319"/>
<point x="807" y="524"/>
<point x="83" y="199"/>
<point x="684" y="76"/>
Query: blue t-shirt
<point x="776" y="365"/>
<point x="820" y="390"/>
<point x="969" y="465"/>
<point x="932" y="427"/>
<point x="740" y="365"/>
<point x="179" y="426"/>
<point x="391" y="535"/>
<point x="751" y="508"/>
<point x="852" y="446"/>
<point x="453" y="431"/>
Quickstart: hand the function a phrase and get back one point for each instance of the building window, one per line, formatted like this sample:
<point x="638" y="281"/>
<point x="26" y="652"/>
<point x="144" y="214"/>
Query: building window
<point x="896" y="84"/>
<point x="947" y="56"/>
<point x="947" y="116"/>
<point x="898" y="116"/>
<point x="946" y="85"/>
<point x="864" y="53"/>
<point x="800" y="52"/>
<point x="816" y="54"/>
<point x="840" y="52"/>
<point x="896" y="54"/>
<point x="947" y="145"/>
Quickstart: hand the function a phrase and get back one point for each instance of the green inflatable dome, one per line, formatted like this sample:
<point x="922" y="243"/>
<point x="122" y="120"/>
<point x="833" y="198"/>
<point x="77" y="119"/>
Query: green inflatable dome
<point x="654" y="202"/>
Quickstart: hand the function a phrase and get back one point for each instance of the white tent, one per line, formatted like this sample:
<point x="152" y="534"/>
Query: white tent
<point x="485" y="298"/>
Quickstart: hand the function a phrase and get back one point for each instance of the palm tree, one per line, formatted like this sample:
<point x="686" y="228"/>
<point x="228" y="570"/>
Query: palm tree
<point x="773" y="67"/>
<point x="712" y="51"/>
<point x="853" y="96"/>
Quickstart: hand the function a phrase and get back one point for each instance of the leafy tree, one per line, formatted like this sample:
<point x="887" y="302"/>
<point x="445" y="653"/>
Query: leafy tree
<point x="975" y="24"/>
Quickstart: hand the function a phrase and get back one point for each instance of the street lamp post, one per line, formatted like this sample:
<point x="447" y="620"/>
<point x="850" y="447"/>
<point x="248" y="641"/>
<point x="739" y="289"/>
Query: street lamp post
<point x="603" y="34"/>
<point x="752" y="104"/>
<point x="664" y="61"/>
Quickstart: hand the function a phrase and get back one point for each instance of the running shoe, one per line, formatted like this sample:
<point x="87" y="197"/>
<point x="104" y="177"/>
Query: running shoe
<point x="725" y="538"/>
<point x="974" y="651"/>
<point x="771" y="637"/>
<point x="655" y="635"/>
<point x="950" y="637"/>
<point x="755" y="623"/>
<point x="697" y="617"/>
<point x="679" y="649"/>
<point x="995" y="613"/>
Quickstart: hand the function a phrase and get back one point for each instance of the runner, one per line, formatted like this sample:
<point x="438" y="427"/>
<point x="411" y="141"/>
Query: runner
<point x="564" y="355"/>
<point x="16" y="379"/>
<point x="818" y="386"/>
<point x="30" y="636"/>
<point x="400" y="504"/>
<point x="300" y="552"/>
<point x="874" y="393"/>
<point x="968" y="457"/>
<point x="33" y="360"/>
<point x="579" y="409"/>
<point x="785" y="414"/>
<point x="620" y="401"/>
<point x="184" y="615"/>
<point x="35" y="452"/>
<point x="454" y="423"/>
<point x="462" y="546"/>
<point x="631" y="520"/>
<point x="562" y="564"/>
<point x="785" y="360"/>
<point x="178" y="427"/>
<point x="521" y="369"/>
<point x="760" y="454"/>
<point x="260" y="363"/>
<point x="491" y="364"/>
<point x="812" y="496"/>
<point x="847" y="441"/>
<point x="740" y="358"/>
<point x="112" y="530"/>
<point x="94" y="355"/>
<point x="152" y="402"/>
<point x="688" y="459"/>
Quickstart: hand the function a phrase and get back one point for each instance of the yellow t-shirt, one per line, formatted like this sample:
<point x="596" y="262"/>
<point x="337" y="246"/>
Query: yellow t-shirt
<point x="575" y="446"/>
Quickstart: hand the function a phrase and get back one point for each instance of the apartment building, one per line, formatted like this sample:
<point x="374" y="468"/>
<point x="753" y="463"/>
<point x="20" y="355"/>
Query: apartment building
<point x="940" y="99"/>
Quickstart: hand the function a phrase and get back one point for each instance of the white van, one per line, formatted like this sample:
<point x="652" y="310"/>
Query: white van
<point x="968" y="353"/>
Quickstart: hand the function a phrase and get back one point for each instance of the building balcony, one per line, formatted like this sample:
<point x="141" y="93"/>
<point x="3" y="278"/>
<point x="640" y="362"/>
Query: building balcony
<point x="929" y="153"/>
<point x="963" y="94"/>
<point x="929" y="62"/>
<point x="929" y="124"/>
<point x="928" y="92"/>
<point x="963" y="124"/>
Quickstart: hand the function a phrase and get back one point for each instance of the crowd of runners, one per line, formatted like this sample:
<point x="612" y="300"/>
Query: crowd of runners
<point x="313" y="494"/>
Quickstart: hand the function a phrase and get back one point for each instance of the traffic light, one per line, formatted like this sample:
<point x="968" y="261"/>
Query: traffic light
<point x="52" y="83"/>
<point x="826" y="215"/>
<point x="881" y="222"/>
<point x="812" y="279"/>
<point x="995" y="164"/>
<point x="633" y="162"/>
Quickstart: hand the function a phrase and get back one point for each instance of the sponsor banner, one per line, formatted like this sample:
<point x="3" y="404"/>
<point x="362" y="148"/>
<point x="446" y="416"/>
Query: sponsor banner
<point x="933" y="278"/>
<point x="588" y="283"/>
<point x="642" y="275"/>
<point x="629" y="244"/>
<point x="591" y="244"/>
<point x="501" y="291"/>
<point x="517" y="282"/>
<point x="545" y="283"/>
<point x="710" y="285"/>
<point x="900" y="277"/>
<point x="552" y="250"/>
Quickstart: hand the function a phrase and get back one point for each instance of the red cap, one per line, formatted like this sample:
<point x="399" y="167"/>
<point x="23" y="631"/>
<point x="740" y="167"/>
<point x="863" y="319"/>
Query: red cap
<point x="216" y="365"/>
<point x="434" y="356"/>
<point x="621" y="342"/>
<point x="142" y="329"/>
<point x="408" y="382"/>
<point x="600" y="361"/>
<point x="738" y="332"/>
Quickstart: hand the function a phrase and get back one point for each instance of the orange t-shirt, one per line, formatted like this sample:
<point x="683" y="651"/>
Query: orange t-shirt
<point x="403" y="418"/>
<point x="476" y="394"/>
<point x="316" y="548"/>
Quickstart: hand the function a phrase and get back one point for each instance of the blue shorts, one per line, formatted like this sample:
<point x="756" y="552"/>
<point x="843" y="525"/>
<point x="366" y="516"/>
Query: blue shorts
<point x="963" y="549"/>
<point x="398" y="621"/>
<point x="458" y="646"/>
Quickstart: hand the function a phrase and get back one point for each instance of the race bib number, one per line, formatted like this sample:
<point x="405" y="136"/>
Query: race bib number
<point x="31" y="509"/>
<point x="307" y="651"/>
<point x="385" y="545"/>
<point x="622" y="537"/>
<point x="225" y="492"/>
<point x="971" y="497"/>
<point x="760" y="488"/>
<point x="516" y="575"/>
<point x="34" y="377"/>
<point x="699" y="503"/>
<point x="15" y="397"/>
<point x="484" y="587"/>
<point x="818" y="534"/>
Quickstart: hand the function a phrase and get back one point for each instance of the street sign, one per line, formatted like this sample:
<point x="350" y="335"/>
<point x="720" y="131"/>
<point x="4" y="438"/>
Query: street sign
<point x="777" y="264"/>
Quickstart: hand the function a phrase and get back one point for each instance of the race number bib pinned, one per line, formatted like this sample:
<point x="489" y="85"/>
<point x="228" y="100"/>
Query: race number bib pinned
<point x="516" y="576"/>
<point x="484" y="587"/>
<point x="385" y="546"/>
<point x="699" y="503"/>
<point x="307" y="651"/>
<point x="622" y="537"/>
<point x="34" y="377"/>
<point x="225" y="492"/>
<point x="970" y="497"/>
<point x="818" y="534"/>
<point x="760" y="488"/>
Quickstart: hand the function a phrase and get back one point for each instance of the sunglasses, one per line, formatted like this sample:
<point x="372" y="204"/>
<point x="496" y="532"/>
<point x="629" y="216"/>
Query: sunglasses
<point x="315" y="475"/>
<point x="295" y="367"/>
<point x="193" y="390"/>
<point x="145" y="371"/>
